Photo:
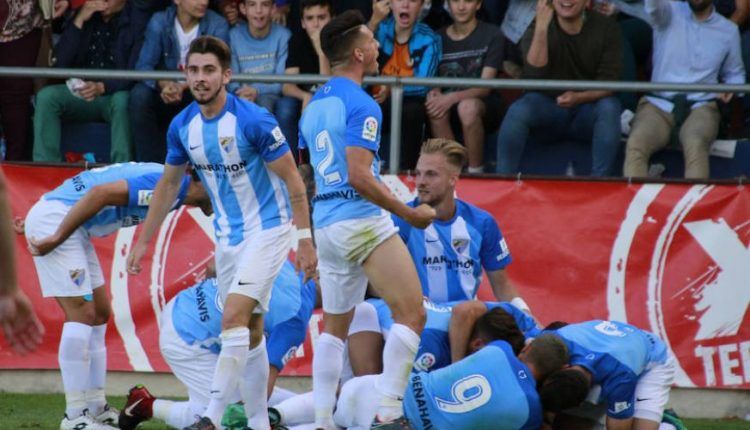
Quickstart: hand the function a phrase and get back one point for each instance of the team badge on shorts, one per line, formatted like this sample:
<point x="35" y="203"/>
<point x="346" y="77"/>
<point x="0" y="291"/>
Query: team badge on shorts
<point x="289" y="355"/>
<point x="226" y="143"/>
<point x="78" y="276"/>
<point x="370" y="129"/>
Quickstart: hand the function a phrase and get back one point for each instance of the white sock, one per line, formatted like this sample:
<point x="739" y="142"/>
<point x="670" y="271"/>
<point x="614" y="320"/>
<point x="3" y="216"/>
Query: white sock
<point x="297" y="410"/>
<point x="176" y="414"/>
<point x="279" y="394"/>
<point x="229" y="369"/>
<point x="73" y="356"/>
<point x="95" y="398"/>
<point x="398" y="358"/>
<point x="254" y="387"/>
<point x="326" y="369"/>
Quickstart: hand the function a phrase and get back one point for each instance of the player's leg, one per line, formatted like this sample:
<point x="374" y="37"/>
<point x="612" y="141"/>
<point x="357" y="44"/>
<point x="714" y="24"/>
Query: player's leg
<point x="358" y="402"/>
<point x="293" y="411"/>
<point x="365" y="342"/>
<point x="392" y="274"/>
<point x="652" y="394"/>
<point x="95" y="398"/>
<point x="343" y="285"/>
<point x="282" y="343"/>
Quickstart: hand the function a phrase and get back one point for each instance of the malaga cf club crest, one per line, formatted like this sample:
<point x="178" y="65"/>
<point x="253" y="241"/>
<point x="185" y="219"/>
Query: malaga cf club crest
<point x="460" y="245"/>
<point x="226" y="143"/>
<point x="78" y="276"/>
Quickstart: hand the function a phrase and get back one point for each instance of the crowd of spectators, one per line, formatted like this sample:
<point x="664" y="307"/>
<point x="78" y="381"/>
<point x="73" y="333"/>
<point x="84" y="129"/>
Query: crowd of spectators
<point x="695" y="41"/>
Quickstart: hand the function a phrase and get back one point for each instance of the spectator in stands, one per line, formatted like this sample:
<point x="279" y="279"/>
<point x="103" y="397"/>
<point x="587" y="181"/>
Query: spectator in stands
<point x="154" y="103"/>
<point x="471" y="49"/>
<point x="567" y="42"/>
<point x="103" y="34"/>
<point x="259" y="48"/>
<point x="20" y="38"/>
<point x="230" y="10"/>
<point x="315" y="15"/>
<point x="692" y="44"/>
<point x="407" y="48"/>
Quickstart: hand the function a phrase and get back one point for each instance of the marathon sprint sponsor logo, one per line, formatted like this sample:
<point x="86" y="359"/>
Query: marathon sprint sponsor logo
<point x="222" y="168"/>
<point x="450" y="263"/>
<point x="424" y="413"/>
<point x="686" y="255"/>
<point x="343" y="194"/>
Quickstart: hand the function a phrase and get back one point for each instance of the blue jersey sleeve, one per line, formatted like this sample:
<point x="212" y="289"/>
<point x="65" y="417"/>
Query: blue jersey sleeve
<point x="176" y="154"/>
<point x="363" y="125"/>
<point x="494" y="253"/>
<point x="141" y="188"/>
<point x="434" y="351"/>
<point x="264" y="132"/>
<point x="402" y="226"/>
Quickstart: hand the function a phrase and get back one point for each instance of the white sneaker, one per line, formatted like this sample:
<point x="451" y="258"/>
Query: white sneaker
<point x="109" y="416"/>
<point x="83" y="422"/>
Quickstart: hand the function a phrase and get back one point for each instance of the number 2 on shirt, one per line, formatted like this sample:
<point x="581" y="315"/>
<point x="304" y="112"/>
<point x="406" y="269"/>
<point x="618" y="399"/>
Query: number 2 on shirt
<point x="323" y="143"/>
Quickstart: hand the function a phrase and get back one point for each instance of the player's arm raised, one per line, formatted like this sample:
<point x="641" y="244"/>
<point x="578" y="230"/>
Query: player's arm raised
<point x="165" y="193"/>
<point x="463" y="317"/>
<point x="359" y="161"/>
<point x="285" y="168"/>
<point x="110" y="194"/>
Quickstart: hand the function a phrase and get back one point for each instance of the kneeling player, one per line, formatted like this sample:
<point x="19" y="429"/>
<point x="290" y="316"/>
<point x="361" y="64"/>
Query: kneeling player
<point x="189" y="341"/>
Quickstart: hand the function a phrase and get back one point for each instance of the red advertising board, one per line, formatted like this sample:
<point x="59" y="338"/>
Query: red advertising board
<point x="670" y="258"/>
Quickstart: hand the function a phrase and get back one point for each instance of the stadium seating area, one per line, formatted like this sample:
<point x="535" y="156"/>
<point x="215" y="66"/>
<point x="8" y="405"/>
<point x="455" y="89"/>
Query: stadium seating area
<point x="44" y="123"/>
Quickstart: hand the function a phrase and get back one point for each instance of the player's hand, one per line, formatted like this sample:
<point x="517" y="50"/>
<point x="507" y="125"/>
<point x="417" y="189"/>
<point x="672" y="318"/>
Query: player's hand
<point x="306" y="259"/>
<point x="22" y="328"/>
<point x="43" y="246"/>
<point x="421" y="216"/>
<point x="247" y="92"/>
<point x="134" y="258"/>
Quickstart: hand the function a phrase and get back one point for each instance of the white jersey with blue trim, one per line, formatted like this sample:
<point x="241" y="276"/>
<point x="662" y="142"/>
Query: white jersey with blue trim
<point x="340" y="114"/>
<point x="449" y="255"/>
<point x="488" y="390"/>
<point x="230" y="152"/>
<point x="141" y="179"/>
<point x="616" y="354"/>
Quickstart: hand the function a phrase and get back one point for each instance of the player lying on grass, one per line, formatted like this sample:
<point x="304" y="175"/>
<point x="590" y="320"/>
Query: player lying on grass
<point x="59" y="228"/>
<point x="189" y="342"/>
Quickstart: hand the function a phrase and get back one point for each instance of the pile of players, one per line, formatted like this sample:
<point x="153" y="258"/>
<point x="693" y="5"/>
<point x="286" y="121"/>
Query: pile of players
<point x="396" y="362"/>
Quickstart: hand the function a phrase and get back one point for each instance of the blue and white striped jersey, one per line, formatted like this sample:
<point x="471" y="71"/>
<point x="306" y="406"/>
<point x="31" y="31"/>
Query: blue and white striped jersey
<point x="141" y="179"/>
<point x="450" y="255"/>
<point x="230" y="152"/>
<point x="616" y="354"/>
<point x="340" y="114"/>
<point x="488" y="390"/>
<point x="434" y="350"/>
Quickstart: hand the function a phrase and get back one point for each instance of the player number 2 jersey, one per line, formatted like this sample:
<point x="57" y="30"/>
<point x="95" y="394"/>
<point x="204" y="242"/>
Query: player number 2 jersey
<point x="340" y="114"/>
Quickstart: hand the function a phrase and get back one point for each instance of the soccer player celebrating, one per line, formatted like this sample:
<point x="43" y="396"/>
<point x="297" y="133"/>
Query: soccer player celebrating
<point x="242" y="156"/>
<point x="58" y="228"/>
<point x="463" y="239"/>
<point x="355" y="235"/>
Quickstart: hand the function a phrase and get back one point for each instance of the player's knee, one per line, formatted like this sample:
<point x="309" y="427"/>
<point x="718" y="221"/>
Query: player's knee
<point x="256" y="336"/>
<point x="102" y="315"/>
<point x="85" y="313"/>
<point x="414" y="317"/>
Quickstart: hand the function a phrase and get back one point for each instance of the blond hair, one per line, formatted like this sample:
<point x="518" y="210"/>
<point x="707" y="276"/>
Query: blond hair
<point x="453" y="151"/>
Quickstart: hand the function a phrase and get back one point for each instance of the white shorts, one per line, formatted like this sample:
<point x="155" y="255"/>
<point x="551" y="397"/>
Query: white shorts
<point x="70" y="270"/>
<point x="653" y="387"/>
<point x="358" y="403"/>
<point x="192" y="365"/>
<point x="251" y="267"/>
<point x="342" y="248"/>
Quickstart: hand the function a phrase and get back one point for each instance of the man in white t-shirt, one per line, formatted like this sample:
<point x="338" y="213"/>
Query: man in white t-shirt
<point x="167" y="40"/>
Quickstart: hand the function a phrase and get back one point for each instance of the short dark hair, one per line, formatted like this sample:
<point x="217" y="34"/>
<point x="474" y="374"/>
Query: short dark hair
<point x="338" y="36"/>
<point x="554" y="325"/>
<point x="497" y="324"/>
<point x="563" y="389"/>
<point x="304" y="4"/>
<point x="547" y="353"/>
<point x="212" y="45"/>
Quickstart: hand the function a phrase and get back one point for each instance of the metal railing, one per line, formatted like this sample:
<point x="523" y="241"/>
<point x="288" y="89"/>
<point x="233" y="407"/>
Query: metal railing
<point x="395" y="83"/>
